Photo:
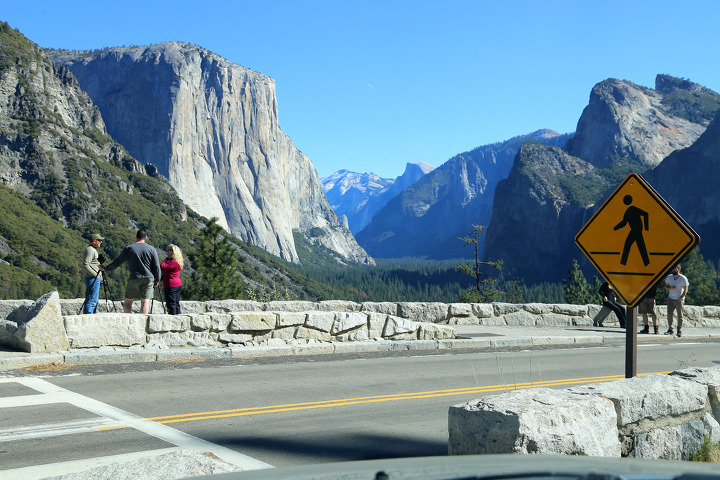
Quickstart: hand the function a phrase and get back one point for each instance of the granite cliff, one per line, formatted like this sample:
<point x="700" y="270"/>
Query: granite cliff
<point x="537" y="212"/>
<point x="358" y="196"/>
<point x="211" y="127"/>
<point x="688" y="180"/>
<point x="427" y="218"/>
<point x="627" y="123"/>
<point x="550" y="193"/>
<point x="53" y="141"/>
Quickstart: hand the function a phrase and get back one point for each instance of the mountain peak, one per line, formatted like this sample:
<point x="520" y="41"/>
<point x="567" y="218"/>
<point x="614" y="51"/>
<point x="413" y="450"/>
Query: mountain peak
<point x="666" y="84"/>
<point x="545" y="133"/>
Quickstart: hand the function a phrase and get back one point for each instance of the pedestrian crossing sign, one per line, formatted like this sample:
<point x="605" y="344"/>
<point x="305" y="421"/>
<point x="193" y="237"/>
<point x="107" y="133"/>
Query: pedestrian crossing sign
<point x="635" y="238"/>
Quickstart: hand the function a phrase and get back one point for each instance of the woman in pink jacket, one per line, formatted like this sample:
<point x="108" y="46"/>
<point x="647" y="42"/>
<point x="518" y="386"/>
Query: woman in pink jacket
<point x="171" y="268"/>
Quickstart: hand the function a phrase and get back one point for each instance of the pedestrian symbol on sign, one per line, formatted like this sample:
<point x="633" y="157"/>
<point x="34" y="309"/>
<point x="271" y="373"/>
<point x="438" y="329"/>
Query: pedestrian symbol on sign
<point x="634" y="217"/>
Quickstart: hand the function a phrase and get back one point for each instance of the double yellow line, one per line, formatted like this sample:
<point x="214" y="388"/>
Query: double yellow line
<point x="238" y="412"/>
<point x="189" y="417"/>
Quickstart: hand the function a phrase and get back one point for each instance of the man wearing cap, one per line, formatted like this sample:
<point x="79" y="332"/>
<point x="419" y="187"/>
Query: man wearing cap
<point x="93" y="280"/>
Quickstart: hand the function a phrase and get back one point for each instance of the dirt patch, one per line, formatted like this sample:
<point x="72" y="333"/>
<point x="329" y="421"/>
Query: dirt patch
<point x="47" y="367"/>
<point x="185" y="360"/>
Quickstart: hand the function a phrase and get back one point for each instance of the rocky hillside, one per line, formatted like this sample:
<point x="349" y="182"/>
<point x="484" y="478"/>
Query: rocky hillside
<point x="550" y="193"/>
<point x="356" y="197"/>
<point x="628" y="124"/>
<point x="427" y="218"/>
<point x="212" y="128"/>
<point x="63" y="177"/>
<point x="538" y="211"/>
<point x="688" y="179"/>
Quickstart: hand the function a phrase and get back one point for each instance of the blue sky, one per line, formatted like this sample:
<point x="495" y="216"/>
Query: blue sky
<point x="371" y="85"/>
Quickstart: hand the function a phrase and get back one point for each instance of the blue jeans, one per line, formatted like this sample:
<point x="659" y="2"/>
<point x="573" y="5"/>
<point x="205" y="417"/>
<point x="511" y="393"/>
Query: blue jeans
<point x="92" y="293"/>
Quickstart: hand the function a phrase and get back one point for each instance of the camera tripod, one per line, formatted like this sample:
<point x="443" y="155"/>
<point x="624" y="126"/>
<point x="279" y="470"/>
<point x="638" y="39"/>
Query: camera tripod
<point x="160" y="296"/>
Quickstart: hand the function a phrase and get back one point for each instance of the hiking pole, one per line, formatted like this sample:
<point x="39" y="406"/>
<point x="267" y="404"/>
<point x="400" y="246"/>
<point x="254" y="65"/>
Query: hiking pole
<point x="82" y="307"/>
<point x="162" y="298"/>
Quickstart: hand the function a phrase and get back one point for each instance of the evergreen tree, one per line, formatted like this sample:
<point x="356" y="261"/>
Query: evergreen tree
<point x="515" y="292"/>
<point x="577" y="290"/>
<point x="486" y="289"/>
<point x="216" y="266"/>
<point x="597" y="283"/>
<point x="703" y="280"/>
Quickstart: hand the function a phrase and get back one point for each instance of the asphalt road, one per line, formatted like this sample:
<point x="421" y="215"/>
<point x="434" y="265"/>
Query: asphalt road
<point x="290" y="411"/>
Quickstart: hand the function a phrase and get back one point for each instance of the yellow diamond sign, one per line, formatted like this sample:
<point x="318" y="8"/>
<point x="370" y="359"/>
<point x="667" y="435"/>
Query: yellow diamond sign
<point x="635" y="238"/>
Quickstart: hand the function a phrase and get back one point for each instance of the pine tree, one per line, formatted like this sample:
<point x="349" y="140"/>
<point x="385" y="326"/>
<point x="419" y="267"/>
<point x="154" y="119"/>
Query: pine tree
<point x="577" y="290"/>
<point x="215" y="263"/>
<point x="486" y="289"/>
<point x="703" y="280"/>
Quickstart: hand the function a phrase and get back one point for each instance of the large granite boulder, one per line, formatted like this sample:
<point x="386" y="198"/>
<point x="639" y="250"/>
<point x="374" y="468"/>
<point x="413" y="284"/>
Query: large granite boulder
<point x="518" y="422"/>
<point x="659" y="416"/>
<point x="37" y="327"/>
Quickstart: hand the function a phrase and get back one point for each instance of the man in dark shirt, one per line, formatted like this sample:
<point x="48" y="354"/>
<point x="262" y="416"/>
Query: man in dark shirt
<point x="144" y="266"/>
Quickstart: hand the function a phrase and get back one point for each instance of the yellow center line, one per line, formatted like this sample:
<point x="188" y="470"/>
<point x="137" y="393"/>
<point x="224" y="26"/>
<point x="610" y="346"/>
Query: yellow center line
<point x="188" y="417"/>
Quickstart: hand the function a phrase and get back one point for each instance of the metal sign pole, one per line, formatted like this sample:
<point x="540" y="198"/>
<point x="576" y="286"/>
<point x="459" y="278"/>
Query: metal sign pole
<point x="631" y="319"/>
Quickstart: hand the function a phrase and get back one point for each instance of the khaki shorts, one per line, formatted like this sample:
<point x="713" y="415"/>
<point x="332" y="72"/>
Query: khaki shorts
<point x="141" y="288"/>
<point x="647" y="306"/>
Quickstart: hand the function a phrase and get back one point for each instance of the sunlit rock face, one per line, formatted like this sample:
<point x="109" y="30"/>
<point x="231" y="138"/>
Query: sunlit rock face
<point x="624" y="122"/>
<point x="211" y="127"/>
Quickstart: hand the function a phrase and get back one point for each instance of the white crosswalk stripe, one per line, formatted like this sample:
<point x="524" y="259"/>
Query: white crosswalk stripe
<point x="107" y="416"/>
<point x="51" y="429"/>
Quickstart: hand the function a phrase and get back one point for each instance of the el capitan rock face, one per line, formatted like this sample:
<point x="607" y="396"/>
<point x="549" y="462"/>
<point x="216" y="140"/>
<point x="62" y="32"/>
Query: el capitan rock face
<point x="211" y="127"/>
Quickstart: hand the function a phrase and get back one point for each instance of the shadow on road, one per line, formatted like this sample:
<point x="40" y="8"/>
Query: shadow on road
<point x="321" y="449"/>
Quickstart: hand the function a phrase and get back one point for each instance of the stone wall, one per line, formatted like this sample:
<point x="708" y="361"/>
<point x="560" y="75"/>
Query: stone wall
<point x="208" y="324"/>
<point x="243" y="322"/>
<point x="243" y="328"/>
<point x="652" y="416"/>
<point x="525" y="314"/>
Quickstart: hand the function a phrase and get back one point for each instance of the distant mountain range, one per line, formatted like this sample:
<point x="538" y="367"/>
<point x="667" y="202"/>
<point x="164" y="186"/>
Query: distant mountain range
<point x="427" y="218"/>
<point x="356" y="197"/>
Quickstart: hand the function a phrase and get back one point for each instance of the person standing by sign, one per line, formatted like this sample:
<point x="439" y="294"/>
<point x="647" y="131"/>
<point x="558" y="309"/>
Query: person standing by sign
<point x="647" y="307"/>
<point x="608" y="295"/>
<point x="677" y="286"/>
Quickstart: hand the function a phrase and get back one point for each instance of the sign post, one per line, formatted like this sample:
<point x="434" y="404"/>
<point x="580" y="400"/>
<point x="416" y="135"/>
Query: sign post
<point x="633" y="240"/>
<point x="631" y="321"/>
